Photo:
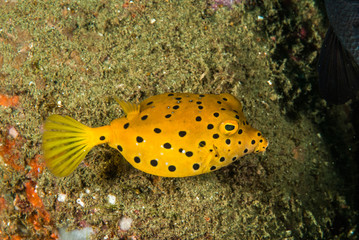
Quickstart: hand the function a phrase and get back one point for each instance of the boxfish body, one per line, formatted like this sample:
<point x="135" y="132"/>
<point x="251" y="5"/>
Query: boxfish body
<point x="169" y="135"/>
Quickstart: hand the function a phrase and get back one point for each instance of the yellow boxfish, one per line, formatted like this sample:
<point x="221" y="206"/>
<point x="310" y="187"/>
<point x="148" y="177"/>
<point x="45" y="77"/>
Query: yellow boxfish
<point x="168" y="135"/>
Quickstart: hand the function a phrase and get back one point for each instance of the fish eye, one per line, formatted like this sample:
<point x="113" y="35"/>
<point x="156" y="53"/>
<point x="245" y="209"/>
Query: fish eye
<point x="229" y="127"/>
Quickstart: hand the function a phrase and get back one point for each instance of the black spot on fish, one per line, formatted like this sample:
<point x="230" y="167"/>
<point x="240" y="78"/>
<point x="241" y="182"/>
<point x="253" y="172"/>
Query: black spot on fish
<point x="210" y="126"/>
<point x="240" y="131"/>
<point x="139" y="139"/>
<point x="219" y="102"/>
<point x="175" y="107"/>
<point x="195" y="166"/>
<point x="228" y="141"/>
<point x="189" y="154"/>
<point x="144" y="117"/>
<point x="102" y="138"/>
<point x="126" y="125"/>
<point x="198" y="119"/>
<point x="167" y="146"/>
<point x="137" y="159"/>
<point x="200" y="107"/>
<point x="216" y="114"/>
<point x="172" y="168"/>
<point x="213" y="168"/>
<point x="202" y="143"/>
<point x="168" y="116"/>
<point x="182" y="133"/>
<point x="119" y="148"/>
<point x="215" y="136"/>
<point x="222" y="159"/>
<point x="171" y="94"/>
<point x="149" y="103"/>
<point x="225" y="99"/>
<point x="253" y="141"/>
<point x="245" y="150"/>
<point x="157" y="130"/>
<point x="154" y="162"/>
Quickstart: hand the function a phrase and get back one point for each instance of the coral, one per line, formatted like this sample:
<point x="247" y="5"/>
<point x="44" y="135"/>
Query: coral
<point x="8" y="101"/>
<point x="26" y="201"/>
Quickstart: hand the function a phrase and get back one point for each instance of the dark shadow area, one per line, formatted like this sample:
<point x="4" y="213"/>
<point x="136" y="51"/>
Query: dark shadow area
<point x="340" y="133"/>
<point x="339" y="129"/>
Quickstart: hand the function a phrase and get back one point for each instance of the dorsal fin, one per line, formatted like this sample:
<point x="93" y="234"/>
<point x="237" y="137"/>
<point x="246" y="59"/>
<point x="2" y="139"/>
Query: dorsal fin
<point x="131" y="109"/>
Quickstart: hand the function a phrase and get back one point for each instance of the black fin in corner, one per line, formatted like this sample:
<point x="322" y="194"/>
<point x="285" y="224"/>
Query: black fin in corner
<point x="338" y="71"/>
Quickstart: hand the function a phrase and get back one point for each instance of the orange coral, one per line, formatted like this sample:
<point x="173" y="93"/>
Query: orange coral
<point x="10" y="155"/>
<point x="34" y="220"/>
<point x="16" y="237"/>
<point x="7" y="101"/>
<point x="31" y="204"/>
<point x="2" y="203"/>
<point x="36" y="166"/>
<point x="36" y="202"/>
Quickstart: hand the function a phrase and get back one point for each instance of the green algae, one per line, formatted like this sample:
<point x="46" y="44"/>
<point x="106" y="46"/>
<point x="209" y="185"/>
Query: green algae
<point x="71" y="57"/>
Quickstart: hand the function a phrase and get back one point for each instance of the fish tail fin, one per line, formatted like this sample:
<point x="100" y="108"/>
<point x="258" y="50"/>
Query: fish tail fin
<point x="66" y="142"/>
<point x="338" y="71"/>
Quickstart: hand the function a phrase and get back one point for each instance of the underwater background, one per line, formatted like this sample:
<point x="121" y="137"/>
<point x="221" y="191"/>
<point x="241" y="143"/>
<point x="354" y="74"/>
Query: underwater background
<point x="72" y="58"/>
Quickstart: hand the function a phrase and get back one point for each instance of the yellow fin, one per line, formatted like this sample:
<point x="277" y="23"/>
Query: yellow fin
<point x="130" y="109"/>
<point x="66" y="142"/>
